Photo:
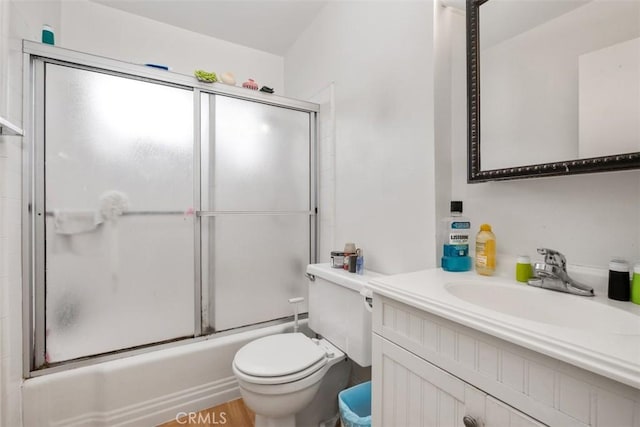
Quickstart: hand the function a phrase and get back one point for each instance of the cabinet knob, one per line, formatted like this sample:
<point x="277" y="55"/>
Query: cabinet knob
<point x="469" y="421"/>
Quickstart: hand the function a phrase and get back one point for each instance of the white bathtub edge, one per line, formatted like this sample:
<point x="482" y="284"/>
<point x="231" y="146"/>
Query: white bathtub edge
<point x="146" y="389"/>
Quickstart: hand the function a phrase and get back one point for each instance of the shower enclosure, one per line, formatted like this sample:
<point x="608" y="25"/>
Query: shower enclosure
<point x="157" y="208"/>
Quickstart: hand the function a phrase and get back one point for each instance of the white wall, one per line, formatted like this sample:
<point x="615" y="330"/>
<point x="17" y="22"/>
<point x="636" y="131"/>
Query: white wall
<point x="19" y="19"/>
<point x="379" y="56"/>
<point x="590" y="218"/>
<point x="384" y="156"/>
<point x="94" y="28"/>
<point x="443" y="112"/>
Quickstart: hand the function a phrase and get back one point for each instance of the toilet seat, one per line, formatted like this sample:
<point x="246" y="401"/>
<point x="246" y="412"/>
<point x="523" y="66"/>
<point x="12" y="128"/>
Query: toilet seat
<point x="298" y="376"/>
<point x="279" y="359"/>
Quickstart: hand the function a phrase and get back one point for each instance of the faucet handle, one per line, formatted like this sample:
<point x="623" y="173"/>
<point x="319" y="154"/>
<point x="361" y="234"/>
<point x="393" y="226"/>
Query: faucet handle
<point x="553" y="257"/>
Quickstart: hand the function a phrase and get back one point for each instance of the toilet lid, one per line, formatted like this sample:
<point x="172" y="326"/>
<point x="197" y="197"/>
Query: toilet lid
<point x="278" y="355"/>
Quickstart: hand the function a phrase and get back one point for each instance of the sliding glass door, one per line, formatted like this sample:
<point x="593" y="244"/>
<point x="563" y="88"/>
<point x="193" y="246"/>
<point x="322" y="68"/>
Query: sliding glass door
<point x="257" y="203"/>
<point x="117" y="181"/>
<point x="158" y="212"/>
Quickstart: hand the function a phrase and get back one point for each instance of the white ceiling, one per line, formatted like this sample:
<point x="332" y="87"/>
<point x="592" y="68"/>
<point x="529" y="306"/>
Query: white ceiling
<point x="274" y="25"/>
<point x="503" y="19"/>
<point x="267" y="25"/>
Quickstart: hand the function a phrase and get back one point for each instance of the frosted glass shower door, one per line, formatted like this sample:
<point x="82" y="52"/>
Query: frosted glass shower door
<point x="257" y="195"/>
<point x="117" y="183"/>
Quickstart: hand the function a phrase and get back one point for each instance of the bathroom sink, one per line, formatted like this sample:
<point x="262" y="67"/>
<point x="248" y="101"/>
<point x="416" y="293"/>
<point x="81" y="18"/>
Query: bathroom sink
<point x="548" y="307"/>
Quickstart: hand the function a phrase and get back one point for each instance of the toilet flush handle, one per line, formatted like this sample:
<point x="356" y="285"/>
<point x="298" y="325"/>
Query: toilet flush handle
<point x="295" y="301"/>
<point x="368" y="299"/>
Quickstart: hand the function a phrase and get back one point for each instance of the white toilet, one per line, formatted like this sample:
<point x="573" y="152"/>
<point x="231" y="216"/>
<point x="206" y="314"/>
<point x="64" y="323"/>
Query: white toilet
<point x="292" y="380"/>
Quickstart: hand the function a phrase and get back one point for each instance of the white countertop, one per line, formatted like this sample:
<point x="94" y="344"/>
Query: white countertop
<point x="593" y="333"/>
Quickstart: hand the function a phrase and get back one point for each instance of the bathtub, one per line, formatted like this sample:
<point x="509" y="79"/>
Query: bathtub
<point x="142" y="390"/>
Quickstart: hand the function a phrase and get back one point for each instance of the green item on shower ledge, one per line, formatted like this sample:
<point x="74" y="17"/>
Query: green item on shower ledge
<point x="205" y="76"/>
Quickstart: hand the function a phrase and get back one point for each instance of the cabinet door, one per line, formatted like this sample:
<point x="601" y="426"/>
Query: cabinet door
<point x="409" y="391"/>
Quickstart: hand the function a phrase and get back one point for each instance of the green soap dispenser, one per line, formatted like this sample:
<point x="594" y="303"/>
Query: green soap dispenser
<point x="635" y="285"/>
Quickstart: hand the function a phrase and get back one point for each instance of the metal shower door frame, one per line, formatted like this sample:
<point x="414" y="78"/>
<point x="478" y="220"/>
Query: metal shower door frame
<point x="35" y="55"/>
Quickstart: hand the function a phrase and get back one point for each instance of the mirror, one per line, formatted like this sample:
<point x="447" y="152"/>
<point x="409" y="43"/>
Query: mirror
<point x="560" y="86"/>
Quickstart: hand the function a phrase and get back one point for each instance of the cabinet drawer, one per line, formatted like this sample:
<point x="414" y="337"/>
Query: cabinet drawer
<point x="409" y="391"/>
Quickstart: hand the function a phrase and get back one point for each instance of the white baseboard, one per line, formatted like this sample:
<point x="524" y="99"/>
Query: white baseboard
<point x="162" y="409"/>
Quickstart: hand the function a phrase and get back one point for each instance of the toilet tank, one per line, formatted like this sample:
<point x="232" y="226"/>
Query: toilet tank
<point x="337" y="310"/>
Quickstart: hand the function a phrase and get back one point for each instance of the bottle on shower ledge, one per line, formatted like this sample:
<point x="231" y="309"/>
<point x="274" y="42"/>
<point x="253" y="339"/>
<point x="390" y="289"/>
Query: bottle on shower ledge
<point x="359" y="262"/>
<point x="48" y="35"/>
<point x="349" y="250"/>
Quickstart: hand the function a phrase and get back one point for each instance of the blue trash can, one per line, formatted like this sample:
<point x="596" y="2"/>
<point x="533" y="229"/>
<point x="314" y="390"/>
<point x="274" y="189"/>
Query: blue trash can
<point x="355" y="405"/>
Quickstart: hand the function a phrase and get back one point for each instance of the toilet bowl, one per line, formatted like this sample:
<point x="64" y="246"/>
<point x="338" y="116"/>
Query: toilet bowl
<point x="291" y="380"/>
<point x="280" y="375"/>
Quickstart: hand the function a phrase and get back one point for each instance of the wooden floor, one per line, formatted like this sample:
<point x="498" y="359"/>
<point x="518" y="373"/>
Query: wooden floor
<point x="230" y="414"/>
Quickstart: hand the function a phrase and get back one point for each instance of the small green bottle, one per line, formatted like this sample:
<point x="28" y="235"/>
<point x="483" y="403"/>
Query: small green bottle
<point x="524" y="272"/>
<point x="635" y="285"/>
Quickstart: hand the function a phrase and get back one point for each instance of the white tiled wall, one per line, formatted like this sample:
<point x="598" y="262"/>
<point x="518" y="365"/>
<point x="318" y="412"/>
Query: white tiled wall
<point x="4" y="54"/>
<point x="326" y="165"/>
<point x="20" y="19"/>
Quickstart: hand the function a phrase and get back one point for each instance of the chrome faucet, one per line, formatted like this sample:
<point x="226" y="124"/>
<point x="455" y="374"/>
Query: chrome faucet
<point x="552" y="274"/>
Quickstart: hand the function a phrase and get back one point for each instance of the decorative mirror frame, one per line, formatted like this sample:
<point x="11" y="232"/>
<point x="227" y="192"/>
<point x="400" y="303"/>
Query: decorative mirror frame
<point x="474" y="170"/>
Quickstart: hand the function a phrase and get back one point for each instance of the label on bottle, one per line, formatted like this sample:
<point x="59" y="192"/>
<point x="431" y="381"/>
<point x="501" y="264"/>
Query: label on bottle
<point x="459" y="233"/>
<point x="485" y="257"/>
<point x="481" y="261"/>
<point x="455" y="250"/>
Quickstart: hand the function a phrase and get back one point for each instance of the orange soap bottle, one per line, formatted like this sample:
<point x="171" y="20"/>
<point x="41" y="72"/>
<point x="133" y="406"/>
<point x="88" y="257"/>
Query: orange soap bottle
<point x="485" y="251"/>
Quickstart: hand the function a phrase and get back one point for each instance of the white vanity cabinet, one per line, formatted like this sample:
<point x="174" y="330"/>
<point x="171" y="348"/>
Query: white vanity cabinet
<point x="430" y="371"/>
